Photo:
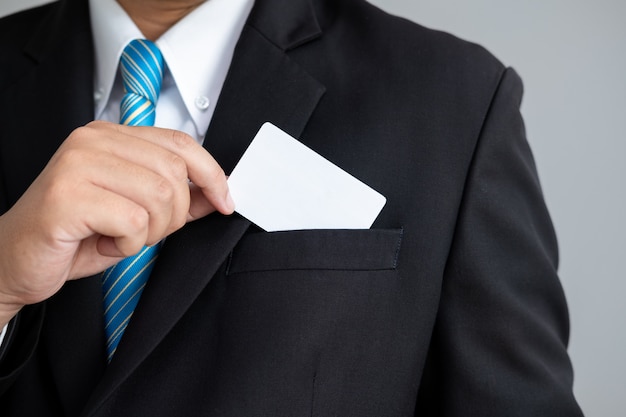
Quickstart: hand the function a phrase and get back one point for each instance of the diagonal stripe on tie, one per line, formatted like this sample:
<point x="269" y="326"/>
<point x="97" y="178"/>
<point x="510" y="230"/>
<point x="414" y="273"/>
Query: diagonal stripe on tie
<point x="141" y="68"/>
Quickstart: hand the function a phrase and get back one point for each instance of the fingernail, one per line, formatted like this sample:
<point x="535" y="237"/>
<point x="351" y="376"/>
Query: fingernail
<point x="230" y="204"/>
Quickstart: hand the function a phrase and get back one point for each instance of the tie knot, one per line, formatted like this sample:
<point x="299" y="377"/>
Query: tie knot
<point x="141" y="66"/>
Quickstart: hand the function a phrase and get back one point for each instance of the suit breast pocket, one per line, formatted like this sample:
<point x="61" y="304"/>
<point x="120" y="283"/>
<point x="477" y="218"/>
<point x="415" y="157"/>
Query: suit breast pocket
<point x="301" y="307"/>
<point x="301" y="286"/>
<point x="329" y="250"/>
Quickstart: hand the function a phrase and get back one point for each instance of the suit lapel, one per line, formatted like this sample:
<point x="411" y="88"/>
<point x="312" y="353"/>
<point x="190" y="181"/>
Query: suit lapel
<point x="264" y="84"/>
<point x="52" y="96"/>
<point x="274" y="89"/>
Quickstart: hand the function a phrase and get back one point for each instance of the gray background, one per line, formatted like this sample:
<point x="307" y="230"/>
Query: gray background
<point x="572" y="57"/>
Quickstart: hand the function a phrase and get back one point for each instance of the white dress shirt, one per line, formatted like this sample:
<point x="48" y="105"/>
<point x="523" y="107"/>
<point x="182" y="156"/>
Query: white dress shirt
<point x="197" y="50"/>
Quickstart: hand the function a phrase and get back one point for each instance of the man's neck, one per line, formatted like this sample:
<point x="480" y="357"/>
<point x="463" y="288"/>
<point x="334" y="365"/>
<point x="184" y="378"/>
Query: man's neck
<point x="155" y="17"/>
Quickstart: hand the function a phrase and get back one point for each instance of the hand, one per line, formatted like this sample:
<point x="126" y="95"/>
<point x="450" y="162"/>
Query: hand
<point x="108" y="191"/>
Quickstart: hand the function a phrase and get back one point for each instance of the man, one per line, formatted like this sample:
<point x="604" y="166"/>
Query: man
<point x="449" y="305"/>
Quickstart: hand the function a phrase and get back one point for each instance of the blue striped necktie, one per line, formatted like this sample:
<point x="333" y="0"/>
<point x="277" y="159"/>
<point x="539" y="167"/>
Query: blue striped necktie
<point x="141" y="66"/>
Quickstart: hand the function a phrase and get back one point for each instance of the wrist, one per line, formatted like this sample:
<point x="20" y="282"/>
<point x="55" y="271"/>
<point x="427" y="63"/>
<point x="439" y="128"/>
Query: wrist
<point x="10" y="305"/>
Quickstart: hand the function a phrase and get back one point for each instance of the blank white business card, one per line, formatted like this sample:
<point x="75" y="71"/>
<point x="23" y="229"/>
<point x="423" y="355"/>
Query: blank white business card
<point x="280" y="184"/>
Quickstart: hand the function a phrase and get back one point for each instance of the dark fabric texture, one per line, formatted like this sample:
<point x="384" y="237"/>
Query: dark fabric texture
<point x="449" y="306"/>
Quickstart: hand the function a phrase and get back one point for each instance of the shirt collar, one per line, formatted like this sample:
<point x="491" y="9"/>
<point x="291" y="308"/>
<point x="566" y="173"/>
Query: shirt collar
<point x="108" y="45"/>
<point x="197" y="50"/>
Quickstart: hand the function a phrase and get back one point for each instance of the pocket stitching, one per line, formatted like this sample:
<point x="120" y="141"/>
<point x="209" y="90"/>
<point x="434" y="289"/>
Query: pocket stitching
<point x="392" y="265"/>
<point x="395" y="258"/>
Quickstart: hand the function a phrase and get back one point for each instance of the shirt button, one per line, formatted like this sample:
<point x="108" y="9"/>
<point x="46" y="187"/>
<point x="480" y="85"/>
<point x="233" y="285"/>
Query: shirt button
<point x="202" y="102"/>
<point x="97" y="95"/>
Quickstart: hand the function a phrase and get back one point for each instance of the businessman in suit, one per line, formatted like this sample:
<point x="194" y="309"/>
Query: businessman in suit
<point x="449" y="305"/>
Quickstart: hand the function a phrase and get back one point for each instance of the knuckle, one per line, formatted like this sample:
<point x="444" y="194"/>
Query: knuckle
<point x="83" y="132"/>
<point x="181" y="140"/>
<point x="213" y="175"/>
<point x="97" y="123"/>
<point x="177" y="167"/>
<point x="216" y="173"/>
<point x="137" y="219"/>
<point x="72" y="156"/>
<point x="164" y="192"/>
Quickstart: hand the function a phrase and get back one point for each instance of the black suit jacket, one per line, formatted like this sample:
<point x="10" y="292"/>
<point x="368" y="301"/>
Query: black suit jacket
<point x="450" y="305"/>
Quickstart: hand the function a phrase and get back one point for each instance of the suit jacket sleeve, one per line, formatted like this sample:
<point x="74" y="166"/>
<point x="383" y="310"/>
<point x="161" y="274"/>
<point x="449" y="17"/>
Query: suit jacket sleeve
<point x="500" y="339"/>
<point x="19" y="344"/>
